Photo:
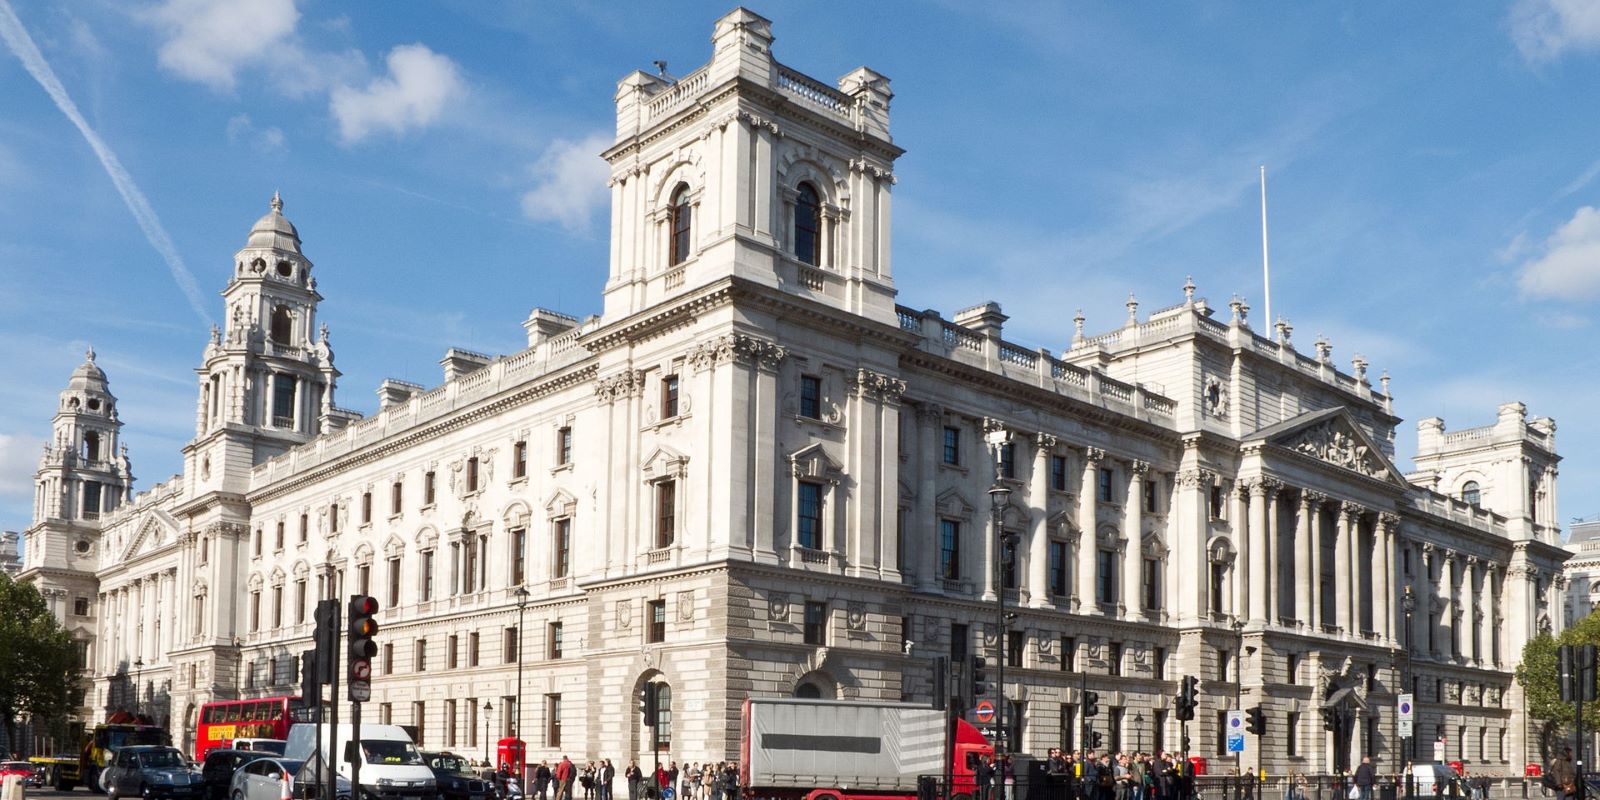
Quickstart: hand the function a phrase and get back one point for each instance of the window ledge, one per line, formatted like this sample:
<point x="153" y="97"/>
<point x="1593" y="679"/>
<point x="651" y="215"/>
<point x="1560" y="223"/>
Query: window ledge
<point x="428" y="506"/>
<point x="396" y="516"/>
<point x="819" y="422"/>
<point x="521" y="480"/>
<point x="668" y="422"/>
<point x="954" y="467"/>
<point x="560" y="468"/>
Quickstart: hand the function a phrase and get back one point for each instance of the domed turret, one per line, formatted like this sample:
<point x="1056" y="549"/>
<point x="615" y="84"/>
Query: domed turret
<point x="274" y="230"/>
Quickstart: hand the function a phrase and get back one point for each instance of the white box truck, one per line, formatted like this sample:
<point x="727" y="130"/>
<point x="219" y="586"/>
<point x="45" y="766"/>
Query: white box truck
<point x="391" y="767"/>
<point x="843" y="750"/>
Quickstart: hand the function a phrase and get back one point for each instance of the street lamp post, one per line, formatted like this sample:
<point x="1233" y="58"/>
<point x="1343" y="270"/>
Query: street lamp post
<point x="1138" y="732"/>
<point x="138" y="669"/>
<point x="1238" y="698"/>
<point x="1409" y="603"/>
<point x="999" y="495"/>
<point x="487" y="710"/>
<point x="516" y="730"/>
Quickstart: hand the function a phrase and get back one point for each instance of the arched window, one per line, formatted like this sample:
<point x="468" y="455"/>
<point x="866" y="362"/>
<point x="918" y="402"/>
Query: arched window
<point x="1470" y="493"/>
<point x="808" y="691"/>
<point x="91" y="446"/>
<point x="808" y="226"/>
<point x="681" y="228"/>
<point x="282" y="322"/>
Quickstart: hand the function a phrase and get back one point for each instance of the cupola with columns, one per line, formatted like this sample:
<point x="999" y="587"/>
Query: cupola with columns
<point x="267" y="378"/>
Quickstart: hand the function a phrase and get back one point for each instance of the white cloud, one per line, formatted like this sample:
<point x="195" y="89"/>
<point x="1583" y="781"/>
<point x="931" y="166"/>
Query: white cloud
<point x="419" y="86"/>
<point x="19" y="459"/>
<point x="570" y="183"/>
<point x="1570" y="266"/>
<point x="209" y="40"/>
<point x="1544" y="29"/>
<point x="267" y="141"/>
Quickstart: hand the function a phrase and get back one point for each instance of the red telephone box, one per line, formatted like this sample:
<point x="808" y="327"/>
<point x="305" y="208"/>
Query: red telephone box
<point x="511" y="755"/>
<point x="1459" y="767"/>
<point x="1533" y="771"/>
<point x="1198" y="763"/>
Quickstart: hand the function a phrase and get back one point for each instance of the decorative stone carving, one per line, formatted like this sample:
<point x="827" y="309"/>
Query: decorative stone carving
<point x="866" y="383"/>
<point x="619" y="386"/>
<point x="624" y="614"/>
<point x="1329" y="442"/>
<point x="778" y="606"/>
<point x="1215" y="397"/>
<point x="686" y="606"/>
<point x="1194" y="478"/>
<point x="1093" y="454"/>
<point x="855" y="617"/>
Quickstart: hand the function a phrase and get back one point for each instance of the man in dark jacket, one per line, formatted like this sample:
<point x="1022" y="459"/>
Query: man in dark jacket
<point x="607" y="774"/>
<point x="1563" y="774"/>
<point x="1365" y="778"/>
<point x="635" y="778"/>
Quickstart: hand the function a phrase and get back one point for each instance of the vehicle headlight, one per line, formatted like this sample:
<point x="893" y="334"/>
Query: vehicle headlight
<point x="385" y="782"/>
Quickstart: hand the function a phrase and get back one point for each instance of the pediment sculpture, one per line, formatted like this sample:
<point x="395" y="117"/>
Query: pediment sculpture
<point x="1332" y="443"/>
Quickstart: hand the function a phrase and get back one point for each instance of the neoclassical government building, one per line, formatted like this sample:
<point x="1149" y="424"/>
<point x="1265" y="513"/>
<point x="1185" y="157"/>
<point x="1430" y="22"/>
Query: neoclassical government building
<point x="756" y="474"/>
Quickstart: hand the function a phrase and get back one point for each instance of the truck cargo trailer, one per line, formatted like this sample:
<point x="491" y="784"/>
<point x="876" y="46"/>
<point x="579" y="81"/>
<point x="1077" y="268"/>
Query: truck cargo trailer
<point x="842" y="750"/>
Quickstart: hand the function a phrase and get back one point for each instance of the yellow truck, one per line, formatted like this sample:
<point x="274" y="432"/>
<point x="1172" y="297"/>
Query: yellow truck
<point x="100" y="747"/>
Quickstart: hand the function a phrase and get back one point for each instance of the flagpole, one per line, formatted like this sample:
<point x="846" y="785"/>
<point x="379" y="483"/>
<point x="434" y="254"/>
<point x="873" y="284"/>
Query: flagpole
<point x="1266" y="267"/>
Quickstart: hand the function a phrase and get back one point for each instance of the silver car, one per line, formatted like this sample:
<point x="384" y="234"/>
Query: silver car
<point x="263" y="779"/>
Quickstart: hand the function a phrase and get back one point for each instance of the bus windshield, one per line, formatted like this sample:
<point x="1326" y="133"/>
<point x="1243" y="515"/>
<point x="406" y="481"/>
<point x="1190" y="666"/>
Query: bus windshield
<point x="388" y="751"/>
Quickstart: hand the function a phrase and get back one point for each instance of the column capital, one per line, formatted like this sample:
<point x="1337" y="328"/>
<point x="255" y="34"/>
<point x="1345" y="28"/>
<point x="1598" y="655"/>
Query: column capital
<point x="1191" y="478"/>
<point x="1093" y="455"/>
<point x="1139" y="468"/>
<point x="1389" y="521"/>
<point x="1044" y="442"/>
<point x="1261" y="487"/>
<point x="1348" y="509"/>
<point x="930" y="413"/>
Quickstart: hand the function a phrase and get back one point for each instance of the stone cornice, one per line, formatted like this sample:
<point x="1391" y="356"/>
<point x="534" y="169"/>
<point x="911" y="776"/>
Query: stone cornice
<point x="575" y="375"/>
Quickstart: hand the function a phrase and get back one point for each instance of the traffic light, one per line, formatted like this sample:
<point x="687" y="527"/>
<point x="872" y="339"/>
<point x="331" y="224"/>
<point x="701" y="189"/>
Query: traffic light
<point x="1330" y="720"/>
<point x="1091" y="704"/>
<point x="1096" y="740"/>
<point x="979" y="676"/>
<point x="1585" y="671"/>
<point x="362" y="648"/>
<point x="647" y="705"/>
<point x="1188" y="697"/>
<point x="1256" y="720"/>
<point x="310" y="688"/>
<point x="325" y="640"/>
<point x="941" y="682"/>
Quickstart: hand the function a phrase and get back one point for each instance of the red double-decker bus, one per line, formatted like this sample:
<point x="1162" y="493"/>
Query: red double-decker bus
<point x="259" y="718"/>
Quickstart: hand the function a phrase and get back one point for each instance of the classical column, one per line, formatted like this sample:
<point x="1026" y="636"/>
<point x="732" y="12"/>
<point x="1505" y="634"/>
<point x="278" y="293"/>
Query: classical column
<point x="1304" y="564"/>
<point x="1038" y="533"/>
<point x="1426" y="594"/>
<point x="1353" y="589"/>
<point x="929" y="417"/>
<point x="1486" y="615"/>
<point x="1471" y="645"/>
<point x="1087" y="549"/>
<point x="1382" y="577"/>
<point x="1341" y="570"/>
<point x="1318" y="531"/>
<point x="1274" y="584"/>
<point x="1452" y="602"/>
<point x="1237" y="572"/>
<point x="1133" y="538"/>
<point x="1258" y="552"/>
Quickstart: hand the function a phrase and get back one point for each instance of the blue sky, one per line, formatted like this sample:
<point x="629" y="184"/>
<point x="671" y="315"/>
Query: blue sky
<point x="1433" y="169"/>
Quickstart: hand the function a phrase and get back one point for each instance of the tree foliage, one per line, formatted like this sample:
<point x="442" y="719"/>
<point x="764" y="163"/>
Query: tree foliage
<point x="1541" y="684"/>
<point x="38" y="663"/>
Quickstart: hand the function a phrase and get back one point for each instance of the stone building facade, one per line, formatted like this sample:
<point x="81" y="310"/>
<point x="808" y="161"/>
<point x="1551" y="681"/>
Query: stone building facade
<point x="756" y="474"/>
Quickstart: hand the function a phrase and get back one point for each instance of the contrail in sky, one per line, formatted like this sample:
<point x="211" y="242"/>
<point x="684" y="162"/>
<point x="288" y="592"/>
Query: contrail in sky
<point x="22" y="46"/>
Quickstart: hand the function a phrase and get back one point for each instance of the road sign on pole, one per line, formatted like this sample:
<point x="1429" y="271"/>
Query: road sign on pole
<point x="1406" y="715"/>
<point x="1236" y="731"/>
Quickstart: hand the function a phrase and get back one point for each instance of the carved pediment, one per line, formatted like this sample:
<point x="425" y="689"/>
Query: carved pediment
<point x="156" y="530"/>
<point x="814" y="463"/>
<point x="952" y="504"/>
<point x="664" y="462"/>
<point x="1332" y="437"/>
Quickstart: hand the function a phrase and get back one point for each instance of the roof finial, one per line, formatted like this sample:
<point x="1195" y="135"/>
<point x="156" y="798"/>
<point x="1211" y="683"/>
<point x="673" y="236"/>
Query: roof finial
<point x="277" y="201"/>
<point x="1188" y="290"/>
<point x="89" y="354"/>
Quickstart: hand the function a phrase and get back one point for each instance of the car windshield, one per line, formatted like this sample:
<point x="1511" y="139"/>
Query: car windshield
<point x="450" y="764"/>
<point x="11" y="765"/>
<point x="388" y="751"/>
<point x="161" y="759"/>
<point x="116" y="740"/>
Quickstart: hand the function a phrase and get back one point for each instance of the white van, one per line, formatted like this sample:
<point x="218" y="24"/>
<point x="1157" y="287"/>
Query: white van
<point x="391" y="767"/>
<point x="1431" y="780"/>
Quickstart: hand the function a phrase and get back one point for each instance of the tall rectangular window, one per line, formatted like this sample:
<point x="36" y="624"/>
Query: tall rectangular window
<point x="950" y="549"/>
<point x="552" y="717"/>
<point x="816" y="631"/>
<point x="1159" y="732"/>
<point x="282" y="401"/>
<point x="563" y="544"/>
<point x="277" y="538"/>
<point x="1292" y="670"/>
<point x="394" y="582"/>
<point x="450" y="723"/>
<point x="669" y="396"/>
<point x="397" y="498"/>
<point x="1219" y="585"/>
<point x="1016" y="642"/>
<point x="1222" y="665"/>
<point x="257" y="540"/>
<point x="426" y="587"/>
<point x="419" y="715"/>
<point x="472" y="474"/>
<point x="666" y="512"/>
<point x="657" y="628"/>
<point x="1160" y="664"/>
<point x="255" y="610"/>
<point x="420" y="655"/>
<point x="1152" y="584"/>
<point x="811" y="396"/>
<point x="1114" y="658"/>
<point x="1069" y="653"/>
<point x="1069" y="725"/>
<point x="960" y="640"/>
<point x="305" y="527"/>
<point x="1149" y="496"/>
<point x="388" y="658"/>
<point x="513" y="644"/>
<point x="1107" y="492"/>
<point x="277" y="606"/>
<point x="451" y="652"/>
<point x="1114" y="722"/>
<point x="1222" y="733"/>
<point x="952" y="445"/>
<point x="300" y="600"/>
<point x="564" y="446"/>
<point x="1058" y="569"/>
<point x="333" y="518"/>
<point x="472" y="722"/>
<point x="1291" y="733"/>
<point x="1058" y="473"/>
<point x="91" y="501"/>
<point x="1008" y="460"/>
<point x="1106" y="577"/>
<point x="472" y="649"/>
<point x="1216" y="502"/>
<point x="366" y="507"/>
<point x="519" y="559"/>
<point x="809" y="516"/>
<point x="519" y="460"/>
<point x="364" y="579"/>
<point x="428" y="488"/>
<point x="1008" y="561"/>
<point x="553" y="633"/>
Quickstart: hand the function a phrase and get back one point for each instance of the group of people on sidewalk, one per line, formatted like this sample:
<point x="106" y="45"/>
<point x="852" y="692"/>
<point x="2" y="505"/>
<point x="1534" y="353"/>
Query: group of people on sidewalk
<point x="595" y="780"/>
